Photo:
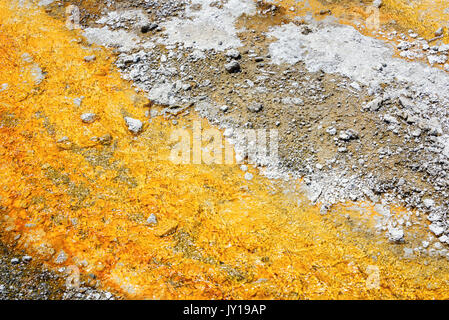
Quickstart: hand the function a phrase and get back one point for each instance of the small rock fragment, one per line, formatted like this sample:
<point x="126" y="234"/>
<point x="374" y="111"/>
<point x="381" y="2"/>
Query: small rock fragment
<point x="355" y="86"/>
<point x="106" y="139"/>
<point x="61" y="257"/>
<point x="377" y="3"/>
<point x="90" y="58"/>
<point x="228" y="133"/>
<point x="4" y="87"/>
<point x="435" y="59"/>
<point x="233" y="53"/>
<point x="152" y="219"/>
<point x="404" y="45"/>
<point x="348" y="135"/>
<point x="323" y="12"/>
<point x="255" y="107"/>
<point x="436" y="229"/>
<point x="408" y="253"/>
<point x="232" y="67"/>
<point x="439" y="32"/>
<point x="443" y="48"/>
<point x="406" y="103"/>
<point x="433" y="126"/>
<point x="88" y="117"/>
<point x="298" y="101"/>
<point x="395" y="235"/>
<point x="324" y="209"/>
<point x="375" y="104"/>
<point x="416" y="132"/>
<point x="306" y="30"/>
<point x="78" y="101"/>
<point x="429" y="203"/>
<point x="390" y="119"/>
<point x="148" y="27"/>
<point x="331" y="131"/>
<point x="134" y="125"/>
<point x="344" y="136"/>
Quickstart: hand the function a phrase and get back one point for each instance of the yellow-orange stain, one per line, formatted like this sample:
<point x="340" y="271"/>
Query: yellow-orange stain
<point x="422" y="16"/>
<point x="218" y="236"/>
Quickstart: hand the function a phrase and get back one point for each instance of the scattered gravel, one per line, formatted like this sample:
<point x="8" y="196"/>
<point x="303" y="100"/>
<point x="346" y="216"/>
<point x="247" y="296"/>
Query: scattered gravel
<point x="22" y="279"/>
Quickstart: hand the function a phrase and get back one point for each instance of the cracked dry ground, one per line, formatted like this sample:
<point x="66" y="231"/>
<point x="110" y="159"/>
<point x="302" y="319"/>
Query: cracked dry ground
<point x="80" y="194"/>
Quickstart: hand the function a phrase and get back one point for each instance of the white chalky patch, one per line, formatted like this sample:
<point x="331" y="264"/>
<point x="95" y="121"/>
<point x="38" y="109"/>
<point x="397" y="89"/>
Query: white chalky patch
<point x="121" y="39"/>
<point x="209" y="26"/>
<point x="45" y="2"/>
<point x="342" y="49"/>
<point x="118" y="18"/>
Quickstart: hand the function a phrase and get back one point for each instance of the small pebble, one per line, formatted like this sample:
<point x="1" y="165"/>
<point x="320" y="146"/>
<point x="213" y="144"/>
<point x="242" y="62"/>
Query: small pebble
<point x="232" y="67"/>
<point x="134" y="125"/>
<point x="255" y="107"/>
<point x="90" y="58"/>
<point x="233" y="53"/>
<point x="149" y="27"/>
<point x="152" y="219"/>
<point x="61" y="257"/>
<point x="439" y="32"/>
<point x="88" y="117"/>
